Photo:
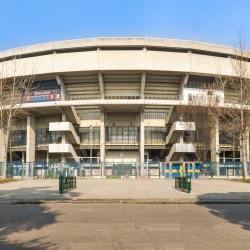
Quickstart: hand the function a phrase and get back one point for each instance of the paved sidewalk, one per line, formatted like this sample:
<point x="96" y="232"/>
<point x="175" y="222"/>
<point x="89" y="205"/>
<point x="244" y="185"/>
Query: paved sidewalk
<point x="144" y="191"/>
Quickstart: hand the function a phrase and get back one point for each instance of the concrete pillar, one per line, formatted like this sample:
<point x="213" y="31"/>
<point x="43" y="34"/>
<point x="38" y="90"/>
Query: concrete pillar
<point x="31" y="140"/>
<point x="47" y="158"/>
<point x="215" y="146"/>
<point x="61" y="83"/>
<point x="102" y="138"/>
<point x="64" y="139"/>
<point x="23" y="162"/>
<point x="142" y="139"/>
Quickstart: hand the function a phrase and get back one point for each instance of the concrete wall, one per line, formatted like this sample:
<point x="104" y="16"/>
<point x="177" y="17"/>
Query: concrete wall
<point x="43" y="121"/>
<point x="19" y="124"/>
<point x="122" y="156"/>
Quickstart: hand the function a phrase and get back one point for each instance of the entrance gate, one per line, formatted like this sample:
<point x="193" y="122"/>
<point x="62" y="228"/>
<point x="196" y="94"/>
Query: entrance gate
<point x="121" y="169"/>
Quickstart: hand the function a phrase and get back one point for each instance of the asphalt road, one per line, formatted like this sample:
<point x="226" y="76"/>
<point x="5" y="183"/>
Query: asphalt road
<point x="124" y="226"/>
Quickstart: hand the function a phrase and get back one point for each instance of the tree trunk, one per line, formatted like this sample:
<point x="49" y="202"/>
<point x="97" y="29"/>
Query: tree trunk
<point x="5" y="155"/>
<point x="243" y="156"/>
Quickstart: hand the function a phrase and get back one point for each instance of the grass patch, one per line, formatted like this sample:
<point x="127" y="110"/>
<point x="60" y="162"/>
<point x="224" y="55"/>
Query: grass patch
<point x="2" y="181"/>
<point x="243" y="180"/>
<point x="113" y="177"/>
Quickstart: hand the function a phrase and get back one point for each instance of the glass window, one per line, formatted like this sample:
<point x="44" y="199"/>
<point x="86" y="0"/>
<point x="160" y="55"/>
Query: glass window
<point x="122" y="135"/>
<point x="44" y="136"/>
<point x="18" y="138"/>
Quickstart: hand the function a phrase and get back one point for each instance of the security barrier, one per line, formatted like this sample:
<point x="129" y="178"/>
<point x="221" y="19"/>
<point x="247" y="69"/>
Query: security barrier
<point x="177" y="169"/>
<point x="183" y="183"/>
<point x="66" y="183"/>
<point x="121" y="169"/>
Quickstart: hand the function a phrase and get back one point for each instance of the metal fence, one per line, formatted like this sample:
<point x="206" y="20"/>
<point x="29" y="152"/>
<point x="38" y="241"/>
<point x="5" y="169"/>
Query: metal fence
<point x="121" y="169"/>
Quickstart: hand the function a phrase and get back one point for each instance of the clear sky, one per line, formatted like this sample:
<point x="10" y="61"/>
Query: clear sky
<point x="24" y="22"/>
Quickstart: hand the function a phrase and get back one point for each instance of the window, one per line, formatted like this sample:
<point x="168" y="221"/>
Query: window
<point x="122" y="135"/>
<point x="44" y="136"/>
<point x="18" y="138"/>
<point x="155" y="135"/>
<point x="154" y="115"/>
<point x="90" y="135"/>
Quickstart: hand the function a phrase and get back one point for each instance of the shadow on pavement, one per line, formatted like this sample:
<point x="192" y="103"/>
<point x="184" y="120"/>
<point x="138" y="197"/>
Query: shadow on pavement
<point x="35" y="193"/>
<point x="233" y="212"/>
<point x="18" y="220"/>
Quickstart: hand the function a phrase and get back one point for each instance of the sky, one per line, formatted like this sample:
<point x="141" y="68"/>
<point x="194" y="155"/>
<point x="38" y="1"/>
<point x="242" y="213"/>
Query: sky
<point x="24" y="22"/>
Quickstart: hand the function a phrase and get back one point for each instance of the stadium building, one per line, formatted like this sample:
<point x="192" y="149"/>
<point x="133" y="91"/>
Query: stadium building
<point x="113" y="100"/>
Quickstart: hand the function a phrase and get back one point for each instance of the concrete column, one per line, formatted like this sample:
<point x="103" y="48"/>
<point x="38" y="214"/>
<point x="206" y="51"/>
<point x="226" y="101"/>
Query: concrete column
<point x="102" y="138"/>
<point x="64" y="139"/>
<point x="31" y="140"/>
<point x="142" y="139"/>
<point x="47" y="158"/>
<point x="215" y="146"/>
<point x="23" y="157"/>
<point x="183" y="83"/>
<point x="61" y="83"/>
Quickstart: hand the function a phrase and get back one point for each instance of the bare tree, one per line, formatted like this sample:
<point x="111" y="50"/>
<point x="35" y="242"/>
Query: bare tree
<point x="233" y="113"/>
<point x="203" y="110"/>
<point x="13" y="88"/>
<point x="236" y="111"/>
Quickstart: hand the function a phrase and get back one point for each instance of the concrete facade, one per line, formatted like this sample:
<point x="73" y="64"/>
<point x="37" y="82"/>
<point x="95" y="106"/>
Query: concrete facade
<point x="114" y="99"/>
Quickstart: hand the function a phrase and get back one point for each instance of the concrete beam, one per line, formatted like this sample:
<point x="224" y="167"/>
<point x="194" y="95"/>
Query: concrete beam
<point x="101" y="84"/>
<point x="67" y="128"/>
<point x="177" y="129"/>
<point x="64" y="148"/>
<point x="178" y="150"/>
<point x="143" y="83"/>
<point x="183" y="83"/>
<point x="70" y="113"/>
<point x="62" y="85"/>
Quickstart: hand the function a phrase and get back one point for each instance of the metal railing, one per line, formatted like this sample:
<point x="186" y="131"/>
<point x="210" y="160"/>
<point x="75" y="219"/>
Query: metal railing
<point x="95" y="168"/>
<point x="183" y="183"/>
<point x="66" y="183"/>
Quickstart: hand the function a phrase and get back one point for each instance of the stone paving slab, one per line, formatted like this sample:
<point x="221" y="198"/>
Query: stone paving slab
<point x="127" y="190"/>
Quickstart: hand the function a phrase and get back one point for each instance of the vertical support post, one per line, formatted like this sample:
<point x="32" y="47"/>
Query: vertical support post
<point x="142" y="138"/>
<point x="31" y="144"/>
<point x="61" y="83"/>
<point x="91" y="150"/>
<point x="102" y="141"/>
<point x="143" y="82"/>
<point x="215" y="146"/>
<point x="23" y="162"/>
<point x="63" y="160"/>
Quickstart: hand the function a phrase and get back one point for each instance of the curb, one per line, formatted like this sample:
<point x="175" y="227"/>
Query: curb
<point x="124" y="201"/>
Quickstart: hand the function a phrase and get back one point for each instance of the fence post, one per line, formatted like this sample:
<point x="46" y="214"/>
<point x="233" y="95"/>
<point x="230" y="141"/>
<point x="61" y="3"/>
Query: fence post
<point x="217" y="166"/>
<point x="61" y="184"/>
<point x="27" y="170"/>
